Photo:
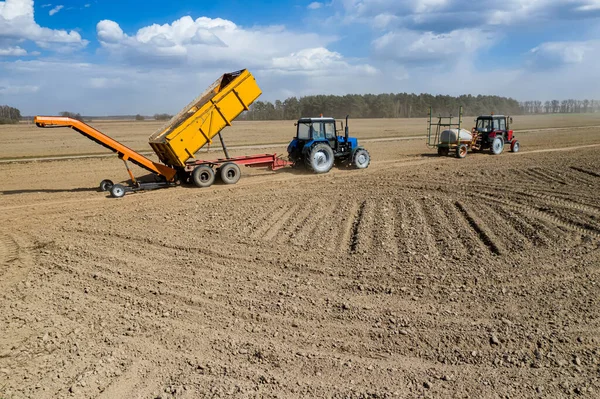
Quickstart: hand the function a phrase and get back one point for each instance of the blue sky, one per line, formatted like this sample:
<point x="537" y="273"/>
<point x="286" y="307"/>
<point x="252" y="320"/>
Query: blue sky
<point x="125" y="57"/>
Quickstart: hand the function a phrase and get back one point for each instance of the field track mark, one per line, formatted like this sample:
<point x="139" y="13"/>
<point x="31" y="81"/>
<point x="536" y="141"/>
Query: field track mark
<point x="446" y="239"/>
<point x="477" y="226"/>
<point x="269" y="222"/>
<point x="401" y="228"/>
<point x="520" y="224"/>
<point x="295" y="224"/>
<point x="303" y="233"/>
<point x="543" y="216"/>
<point x="422" y="227"/>
<point x="387" y="234"/>
<point x="587" y="172"/>
<point x="462" y="229"/>
<point x="280" y="224"/>
<point x="15" y="260"/>
<point x="546" y="177"/>
<point x="505" y="227"/>
<point x="355" y="228"/>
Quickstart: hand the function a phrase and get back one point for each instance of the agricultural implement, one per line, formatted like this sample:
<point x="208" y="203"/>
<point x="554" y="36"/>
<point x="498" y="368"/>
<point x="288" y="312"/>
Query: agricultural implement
<point x="491" y="132"/>
<point x="177" y="142"/>
<point x="318" y="146"/>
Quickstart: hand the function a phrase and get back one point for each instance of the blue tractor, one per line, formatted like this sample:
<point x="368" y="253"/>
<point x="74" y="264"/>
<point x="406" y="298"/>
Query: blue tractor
<point x="318" y="147"/>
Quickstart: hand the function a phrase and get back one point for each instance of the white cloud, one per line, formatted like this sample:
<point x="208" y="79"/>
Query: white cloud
<point x="17" y="24"/>
<point x="415" y="47"/>
<point x="13" y="90"/>
<point x="12" y="51"/>
<point x="220" y="44"/>
<point x="55" y="10"/>
<point x="552" y="54"/>
<point x="315" y="5"/>
<point x="318" y="60"/>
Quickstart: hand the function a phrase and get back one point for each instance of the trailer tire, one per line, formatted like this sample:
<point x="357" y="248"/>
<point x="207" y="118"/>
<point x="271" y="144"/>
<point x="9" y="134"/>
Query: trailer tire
<point x="497" y="146"/>
<point x="203" y="176"/>
<point x="443" y="151"/>
<point x="515" y="146"/>
<point x="230" y="173"/>
<point x="361" y="159"/>
<point x="106" y="185"/>
<point x="461" y="151"/>
<point x="117" y="191"/>
<point x="320" y="158"/>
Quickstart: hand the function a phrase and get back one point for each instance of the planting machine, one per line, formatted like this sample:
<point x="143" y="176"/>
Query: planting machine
<point x="177" y="142"/>
<point x="491" y="132"/>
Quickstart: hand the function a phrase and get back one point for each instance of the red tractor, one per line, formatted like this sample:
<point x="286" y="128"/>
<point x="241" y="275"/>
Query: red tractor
<point x="493" y="132"/>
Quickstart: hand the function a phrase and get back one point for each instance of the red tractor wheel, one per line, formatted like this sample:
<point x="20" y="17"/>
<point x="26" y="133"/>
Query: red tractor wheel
<point x="514" y="145"/>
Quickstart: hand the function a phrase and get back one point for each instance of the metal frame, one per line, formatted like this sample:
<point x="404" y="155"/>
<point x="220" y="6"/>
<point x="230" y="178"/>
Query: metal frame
<point x="433" y="139"/>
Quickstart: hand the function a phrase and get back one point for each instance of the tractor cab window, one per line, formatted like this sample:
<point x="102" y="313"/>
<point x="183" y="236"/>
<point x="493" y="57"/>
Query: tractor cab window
<point x="318" y="132"/>
<point x="496" y="125"/>
<point x="502" y="124"/>
<point x="304" y="130"/>
<point x="484" y="125"/>
<point x="329" y="130"/>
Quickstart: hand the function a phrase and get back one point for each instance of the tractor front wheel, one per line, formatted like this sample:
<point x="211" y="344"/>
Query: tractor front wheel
<point x="320" y="158"/>
<point x="461" y="151"/>
<point x="361" y="159"/>
<point x="497" y="146"/>
<point x="515" y="146"/>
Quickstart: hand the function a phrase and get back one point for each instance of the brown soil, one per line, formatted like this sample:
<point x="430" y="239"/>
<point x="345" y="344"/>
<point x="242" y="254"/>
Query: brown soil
<point x="420" y="276"/>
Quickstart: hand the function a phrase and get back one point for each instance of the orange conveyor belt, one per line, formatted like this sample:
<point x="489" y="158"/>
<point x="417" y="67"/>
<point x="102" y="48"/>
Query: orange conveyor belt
<point x="124" y="152"/>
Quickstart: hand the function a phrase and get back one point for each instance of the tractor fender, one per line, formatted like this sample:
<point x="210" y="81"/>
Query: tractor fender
<point x="360" y="147"/>
<point x="292" y="146"/>
<point x="309" y="145"/>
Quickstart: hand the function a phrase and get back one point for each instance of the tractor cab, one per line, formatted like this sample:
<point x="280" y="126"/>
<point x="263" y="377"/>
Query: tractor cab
<point x="489" y="126"/>
<point x="317" y="145"/>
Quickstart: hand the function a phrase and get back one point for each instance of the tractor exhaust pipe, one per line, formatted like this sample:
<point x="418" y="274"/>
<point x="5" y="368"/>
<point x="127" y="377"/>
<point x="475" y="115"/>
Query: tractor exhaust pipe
<point x="346" y="129"/>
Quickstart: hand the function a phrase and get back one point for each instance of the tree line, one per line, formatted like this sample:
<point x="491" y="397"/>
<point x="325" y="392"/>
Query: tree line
<point x="9" y="115"/>
<point x="564" y="107"/>
<point x="401" y="105"/>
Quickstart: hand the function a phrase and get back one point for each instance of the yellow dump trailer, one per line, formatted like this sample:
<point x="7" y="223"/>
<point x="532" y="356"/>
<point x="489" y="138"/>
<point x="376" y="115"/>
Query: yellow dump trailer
<point x="203" y="118"/>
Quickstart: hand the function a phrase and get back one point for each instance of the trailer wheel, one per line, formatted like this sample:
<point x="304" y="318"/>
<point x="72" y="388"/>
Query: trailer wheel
<point x="117" y="191"/>
<point x="461" y="151"/>
<point x="497" y="146"/>
<point x="361" y="159"/>
<point x="106" y="185"/>
<point x="514" y="145"/>
<point x="230" y="173"/>
<point x="203" y="176"/>
<point x="443" y="151"/>
<point x="320" y="158"/>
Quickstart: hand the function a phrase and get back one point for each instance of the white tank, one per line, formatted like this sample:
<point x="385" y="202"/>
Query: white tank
<point x="449" y="136"/>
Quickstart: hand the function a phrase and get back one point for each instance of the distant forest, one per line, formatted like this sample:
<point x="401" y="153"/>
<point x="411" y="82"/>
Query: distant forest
<point x="406" y="105"/>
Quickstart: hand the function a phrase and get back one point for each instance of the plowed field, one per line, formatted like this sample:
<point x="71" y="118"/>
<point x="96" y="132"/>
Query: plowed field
<point x="420" y="276"/>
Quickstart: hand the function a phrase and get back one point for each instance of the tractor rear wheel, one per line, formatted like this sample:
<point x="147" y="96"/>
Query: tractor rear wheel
<point x="230" y="173"/>
<point x="320" y="158"/>
<point x="361" y="159"/>
<point x="497" y="146"/>
<point x="515" y="146"/>
<point x="203" y="176"/>
<point x="461" y="151"/>
<point x="106" y="185"/>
